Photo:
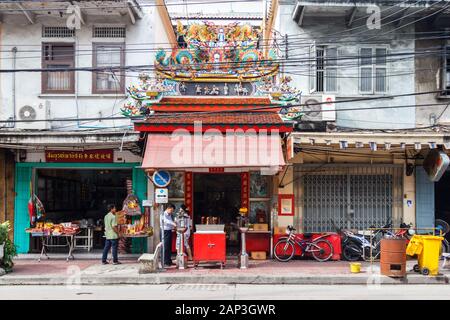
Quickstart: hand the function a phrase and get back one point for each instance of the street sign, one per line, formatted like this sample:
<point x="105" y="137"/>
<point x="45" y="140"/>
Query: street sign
<point x="161" y="178"/>
<point x="161" y="195"/>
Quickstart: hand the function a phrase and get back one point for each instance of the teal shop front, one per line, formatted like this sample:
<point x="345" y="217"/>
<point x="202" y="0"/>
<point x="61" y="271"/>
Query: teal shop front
<point x="58" y="185"/>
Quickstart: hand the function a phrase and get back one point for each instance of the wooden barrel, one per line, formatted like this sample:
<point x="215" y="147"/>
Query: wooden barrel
<point x="393" y="257"/>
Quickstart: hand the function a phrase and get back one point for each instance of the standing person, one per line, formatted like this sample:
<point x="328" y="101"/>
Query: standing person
<point x="111" y="234"/>
<point x="167" y="225"/>
<point x="187" y="234"/>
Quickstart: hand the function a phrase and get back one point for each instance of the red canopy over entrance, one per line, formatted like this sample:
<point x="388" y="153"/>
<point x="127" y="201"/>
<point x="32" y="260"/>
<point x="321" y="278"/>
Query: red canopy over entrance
<point x="212" y="150"/>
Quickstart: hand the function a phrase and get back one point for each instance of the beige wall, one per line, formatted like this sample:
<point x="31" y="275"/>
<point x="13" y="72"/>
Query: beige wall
<point x="284" y="221"/>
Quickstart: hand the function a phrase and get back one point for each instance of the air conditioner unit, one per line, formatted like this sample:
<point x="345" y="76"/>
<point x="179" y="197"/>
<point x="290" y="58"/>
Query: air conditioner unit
<point x="35" y="114"/>
<point x="316" y="108"/>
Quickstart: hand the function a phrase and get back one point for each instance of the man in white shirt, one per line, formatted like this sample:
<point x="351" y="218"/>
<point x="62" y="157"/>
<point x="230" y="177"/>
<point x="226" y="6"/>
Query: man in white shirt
<point x="167" y="225"/>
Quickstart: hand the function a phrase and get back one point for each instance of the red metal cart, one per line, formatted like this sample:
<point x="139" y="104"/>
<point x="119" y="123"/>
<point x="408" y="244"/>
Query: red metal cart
<point x="209" y="247"/>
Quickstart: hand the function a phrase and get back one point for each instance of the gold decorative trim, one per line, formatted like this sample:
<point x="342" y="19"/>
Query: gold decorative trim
<point x="215" y="78"/>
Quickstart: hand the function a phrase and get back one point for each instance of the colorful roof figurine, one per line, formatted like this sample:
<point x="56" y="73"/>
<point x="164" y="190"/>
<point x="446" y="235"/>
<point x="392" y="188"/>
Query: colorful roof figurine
<point x="214" y="52"/>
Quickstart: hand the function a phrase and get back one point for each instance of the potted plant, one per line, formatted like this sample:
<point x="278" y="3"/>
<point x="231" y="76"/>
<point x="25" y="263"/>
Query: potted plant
<point x="7" y="248"/>
<point x="4" y="229"/>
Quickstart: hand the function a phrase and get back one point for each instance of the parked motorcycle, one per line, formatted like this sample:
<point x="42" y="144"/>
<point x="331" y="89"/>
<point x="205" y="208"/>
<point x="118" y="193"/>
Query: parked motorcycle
<point x="442" y="228"/>
<point x="358" y="246"/>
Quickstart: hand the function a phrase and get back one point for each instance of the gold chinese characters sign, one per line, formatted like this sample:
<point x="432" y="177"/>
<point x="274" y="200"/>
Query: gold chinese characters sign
<point x="101" y="156"/>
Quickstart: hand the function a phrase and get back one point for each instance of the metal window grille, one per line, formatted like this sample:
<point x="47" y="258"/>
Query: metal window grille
<point x="57" y="32"/>
<point x="326" y="69"/>
<point x="354" y="196"/>
<point x="109" y="32"/>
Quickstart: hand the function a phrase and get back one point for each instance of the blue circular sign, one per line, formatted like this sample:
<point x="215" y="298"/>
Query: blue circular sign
<point x="161" y="178"/>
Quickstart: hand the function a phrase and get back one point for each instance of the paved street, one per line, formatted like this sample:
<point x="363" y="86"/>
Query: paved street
<point x="228" y="292"/>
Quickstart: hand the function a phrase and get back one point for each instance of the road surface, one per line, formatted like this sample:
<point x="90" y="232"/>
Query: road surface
<point x="227" y="292"/>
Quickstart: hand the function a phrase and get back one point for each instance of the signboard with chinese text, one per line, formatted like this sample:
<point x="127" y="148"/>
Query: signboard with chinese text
<point x="100" y="156"/>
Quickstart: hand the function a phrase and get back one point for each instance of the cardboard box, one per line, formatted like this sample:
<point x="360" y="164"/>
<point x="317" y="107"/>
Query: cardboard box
<point x="260" y="227"/>
<point x="279" y="230"/>
<point x="258" y="255"/>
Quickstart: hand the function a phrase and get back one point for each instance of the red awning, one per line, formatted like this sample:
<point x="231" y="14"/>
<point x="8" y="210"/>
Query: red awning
<point x="213" y="150"/>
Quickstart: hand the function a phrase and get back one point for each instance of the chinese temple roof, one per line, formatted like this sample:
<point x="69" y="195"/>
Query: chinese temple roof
<point x="192" y="103"/>
<point x="221" y="120"/>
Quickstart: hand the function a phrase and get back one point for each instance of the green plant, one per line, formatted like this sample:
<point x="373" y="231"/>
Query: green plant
<point x="10" y="250"/>
<point x="4" y="230"/>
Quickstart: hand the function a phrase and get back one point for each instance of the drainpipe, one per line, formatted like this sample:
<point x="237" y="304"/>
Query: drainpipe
<point x="14" y="53"/>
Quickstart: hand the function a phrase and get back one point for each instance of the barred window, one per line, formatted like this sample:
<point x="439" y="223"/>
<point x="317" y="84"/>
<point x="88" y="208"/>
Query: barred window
<point x="324" y="69"/>
<point x="109" y="32"/>
<point x="57" y="32"/>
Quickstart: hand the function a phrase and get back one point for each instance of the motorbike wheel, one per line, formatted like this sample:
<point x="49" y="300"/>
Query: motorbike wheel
<point x="445" y="247"/>
<point x="352" y="252"/>
<point x="375" y="254"/>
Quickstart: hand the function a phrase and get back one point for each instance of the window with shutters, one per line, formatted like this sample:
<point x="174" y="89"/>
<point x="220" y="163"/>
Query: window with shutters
<point x="109" y="58"/>
<point x="372" y="70"/>
<point x="61" y="57"/>
<point x="323" y="69"/>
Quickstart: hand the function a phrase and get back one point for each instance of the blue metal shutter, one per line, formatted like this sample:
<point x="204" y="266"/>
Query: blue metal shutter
<point x="424" y="200"/>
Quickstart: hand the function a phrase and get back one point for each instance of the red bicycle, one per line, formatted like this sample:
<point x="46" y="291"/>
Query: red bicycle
<point x="320" y="248"/>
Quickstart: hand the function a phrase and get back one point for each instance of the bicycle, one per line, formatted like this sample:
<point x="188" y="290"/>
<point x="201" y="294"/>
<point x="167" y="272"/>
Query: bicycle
<point x="285" y="248"/>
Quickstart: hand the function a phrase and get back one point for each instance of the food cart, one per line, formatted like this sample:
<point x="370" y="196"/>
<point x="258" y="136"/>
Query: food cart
<point x="210" y="244"/>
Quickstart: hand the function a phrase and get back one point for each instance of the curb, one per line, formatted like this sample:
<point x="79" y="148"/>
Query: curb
<point x="233" y="279"/>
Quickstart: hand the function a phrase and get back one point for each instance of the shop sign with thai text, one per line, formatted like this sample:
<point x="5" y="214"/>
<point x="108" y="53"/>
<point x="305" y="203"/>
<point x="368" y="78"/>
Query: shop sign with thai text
<point x="101" y="156"/>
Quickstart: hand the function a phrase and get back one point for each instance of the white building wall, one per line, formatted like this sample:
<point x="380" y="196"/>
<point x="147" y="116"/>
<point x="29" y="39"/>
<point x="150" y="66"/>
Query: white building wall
<point x="17" y="32"/>
<point x="320" y="29"/>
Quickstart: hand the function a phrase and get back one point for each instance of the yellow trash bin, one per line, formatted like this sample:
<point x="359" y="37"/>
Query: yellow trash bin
<point x="428" y="250"/>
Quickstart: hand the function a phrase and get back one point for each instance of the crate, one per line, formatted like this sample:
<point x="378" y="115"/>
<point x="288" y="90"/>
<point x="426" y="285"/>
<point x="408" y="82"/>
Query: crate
<point x="279" y="230"/>
<point x="258" y="255"/>
<point x="260" y="227"/>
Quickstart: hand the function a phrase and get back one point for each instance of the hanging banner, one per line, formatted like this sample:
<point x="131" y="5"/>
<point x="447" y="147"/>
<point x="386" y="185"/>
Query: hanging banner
<point x="100" y="156"/>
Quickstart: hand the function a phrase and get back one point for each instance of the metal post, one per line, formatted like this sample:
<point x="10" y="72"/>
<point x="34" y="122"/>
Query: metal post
<point x="181" y="229"/>
<point x="286" y="47"/>
<point x="162" y="239"/>
<point x="244" y="255"/>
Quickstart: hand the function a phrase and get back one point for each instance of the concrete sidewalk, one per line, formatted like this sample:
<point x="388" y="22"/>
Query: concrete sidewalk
<point x="88" y="272"/>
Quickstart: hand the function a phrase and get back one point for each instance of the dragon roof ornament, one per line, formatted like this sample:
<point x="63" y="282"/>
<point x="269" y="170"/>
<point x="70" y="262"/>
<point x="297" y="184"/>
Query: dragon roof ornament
<point x="209" y="52"/>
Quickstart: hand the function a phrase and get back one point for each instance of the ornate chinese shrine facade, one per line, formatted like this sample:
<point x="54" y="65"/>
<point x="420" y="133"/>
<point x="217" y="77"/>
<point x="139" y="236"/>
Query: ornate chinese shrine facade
<point x="211" y="116"/>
